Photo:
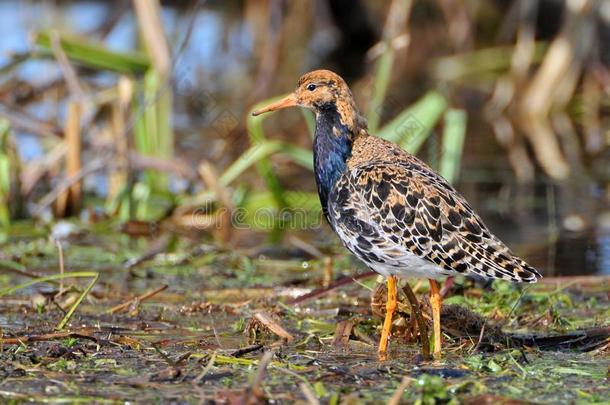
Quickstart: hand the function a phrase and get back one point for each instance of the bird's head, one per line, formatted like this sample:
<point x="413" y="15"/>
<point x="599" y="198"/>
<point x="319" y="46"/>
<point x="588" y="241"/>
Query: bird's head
<point x="322" y="91"/>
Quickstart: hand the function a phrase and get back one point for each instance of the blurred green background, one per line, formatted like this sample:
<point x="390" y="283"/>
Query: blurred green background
<point x="137" y="114"/>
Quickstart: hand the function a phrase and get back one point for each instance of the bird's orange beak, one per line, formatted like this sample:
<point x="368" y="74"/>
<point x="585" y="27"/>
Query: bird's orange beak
<point x="288" y="101"/>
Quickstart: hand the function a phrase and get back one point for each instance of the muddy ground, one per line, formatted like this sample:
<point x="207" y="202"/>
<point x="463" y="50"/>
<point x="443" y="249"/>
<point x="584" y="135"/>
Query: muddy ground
<point x="276" y="324"/>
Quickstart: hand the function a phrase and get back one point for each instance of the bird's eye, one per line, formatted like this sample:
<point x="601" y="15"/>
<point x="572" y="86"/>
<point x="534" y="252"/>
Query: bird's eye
<point x="311" y="87"/>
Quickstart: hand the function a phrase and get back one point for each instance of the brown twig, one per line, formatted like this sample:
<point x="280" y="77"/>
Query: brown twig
<point x="396" y="397"/>
<point x="255" y="386"/>
<point x="65" y="184"/>
<point x="44" y="337"/>
<point x="447" y="286"/>
<point x="589" y="338"/>
<point x="174" y="166"/>
<point x="342" y="333"/>
<point x="245" y="350"/>
<point x="474" y="350"/>
<point x="22" y="120"/>
<point x="210" y="177"/>
<point x="25" y="273"/>
<point x="60" y="251"/>
<point x="581" y="281"/>
<point x="309" y="394"/>
<point x="305" y="246"/>
<point x="139" y="298"/>
<point x="318" y="292"/>
<point x="158" y="246"/>
<point x="265" y="319"/>
<point x="36" y="169"/>
<point x="66" y="68"/>
<point x="151" y="28"/>
<point x="416" y="312"/>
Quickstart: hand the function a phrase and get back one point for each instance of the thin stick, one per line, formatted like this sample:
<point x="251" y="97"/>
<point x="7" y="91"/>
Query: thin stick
<point x="396" y="397"/>
<point x="66" y="183"/>
<point x="415" y="311"/>
<point x="70" y="200"/>
<point x="480" y="339"/>
<point x="17" y="268"/>
<point x="22" y="120"/>
<point x="210" y="177"/>
<point x="246" y="350"/>
<point x="61" y="266"/>
<point x="78" y="274"/>
<point x="309" y="395"/>
<point x="151" y="28"/>
<point x="139" y="298"/>
<point x="206" y="369"/>
<point x="158" y="246"/>
<point x="257" y="381"/>
<point x="305" y="247"/>
<point x="66" y="68"/>
<point x="80" y="298"/>
<point x="325" y="290"/>
<point x="44" y="337"/>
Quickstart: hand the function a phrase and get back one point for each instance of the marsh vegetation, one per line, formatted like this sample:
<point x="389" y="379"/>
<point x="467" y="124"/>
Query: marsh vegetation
<point x="159" y="244"/>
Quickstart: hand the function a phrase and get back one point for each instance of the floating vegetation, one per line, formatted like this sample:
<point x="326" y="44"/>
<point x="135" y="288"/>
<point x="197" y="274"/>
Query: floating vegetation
<point x="185" y="323"/>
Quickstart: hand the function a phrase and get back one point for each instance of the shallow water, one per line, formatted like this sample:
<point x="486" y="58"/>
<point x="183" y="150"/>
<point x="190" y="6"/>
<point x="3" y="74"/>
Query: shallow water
<point x="160" y="348"/>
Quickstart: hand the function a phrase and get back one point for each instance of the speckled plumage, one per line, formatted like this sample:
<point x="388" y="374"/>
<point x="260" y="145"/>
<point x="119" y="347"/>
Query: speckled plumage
<point x="401" y="218"/>
<point x="388" y="207"/>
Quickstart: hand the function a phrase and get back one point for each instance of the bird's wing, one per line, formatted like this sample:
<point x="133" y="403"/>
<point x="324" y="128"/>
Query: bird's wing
<point x="391" y="207"/>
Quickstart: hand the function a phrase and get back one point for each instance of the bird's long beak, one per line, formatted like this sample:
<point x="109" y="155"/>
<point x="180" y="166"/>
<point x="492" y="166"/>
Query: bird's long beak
<point x="288" y="101"/>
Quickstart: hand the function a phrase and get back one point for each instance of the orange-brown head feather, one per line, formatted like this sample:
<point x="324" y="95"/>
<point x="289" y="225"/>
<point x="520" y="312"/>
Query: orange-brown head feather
<point x="319" y="90"/>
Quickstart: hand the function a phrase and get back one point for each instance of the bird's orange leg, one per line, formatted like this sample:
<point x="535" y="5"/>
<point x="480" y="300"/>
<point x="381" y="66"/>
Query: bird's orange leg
<point x="435" y="301"/>
<point x="390" y="307"/>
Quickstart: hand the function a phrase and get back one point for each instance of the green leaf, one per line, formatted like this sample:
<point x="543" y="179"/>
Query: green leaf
<point x="494" y="367"/>
<point x="453" y="143"/>
<point x="78" y="274"/>
<point x="575" y="371"/>
<point x="95" y="55"/>
<point x="411" y="128"/>
<point x="257" y="137"/>
<point x="455" y="299"/>
<point x="381" y="83"/>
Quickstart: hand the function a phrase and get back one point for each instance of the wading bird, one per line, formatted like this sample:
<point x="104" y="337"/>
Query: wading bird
<point x="389" y="208"/>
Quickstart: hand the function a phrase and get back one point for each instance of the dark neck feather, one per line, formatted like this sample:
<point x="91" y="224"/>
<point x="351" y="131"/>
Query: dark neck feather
<point x="332" y="148"/>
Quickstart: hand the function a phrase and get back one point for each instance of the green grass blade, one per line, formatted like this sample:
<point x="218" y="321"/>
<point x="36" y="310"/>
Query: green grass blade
<point x="153" y="136"/>
<point x="298" y="155"/>
<point x="80" y="298"/>
<point x="95" y="55"/>
<point x="5" y="189"/>
<point x="80" y="274"/>
<point x="250" y="157"/>
<point x="453" y="143"/>
<point x="10" y="264"/>
<point x="264" y="166"/>
<point x="310" y="120"/>
<point x="481" y="64"/>
<point x="381" y="83"/>
<point x="264" y="149"/>
<point x="6" y="163"/>
<point x="411" y="128"/>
